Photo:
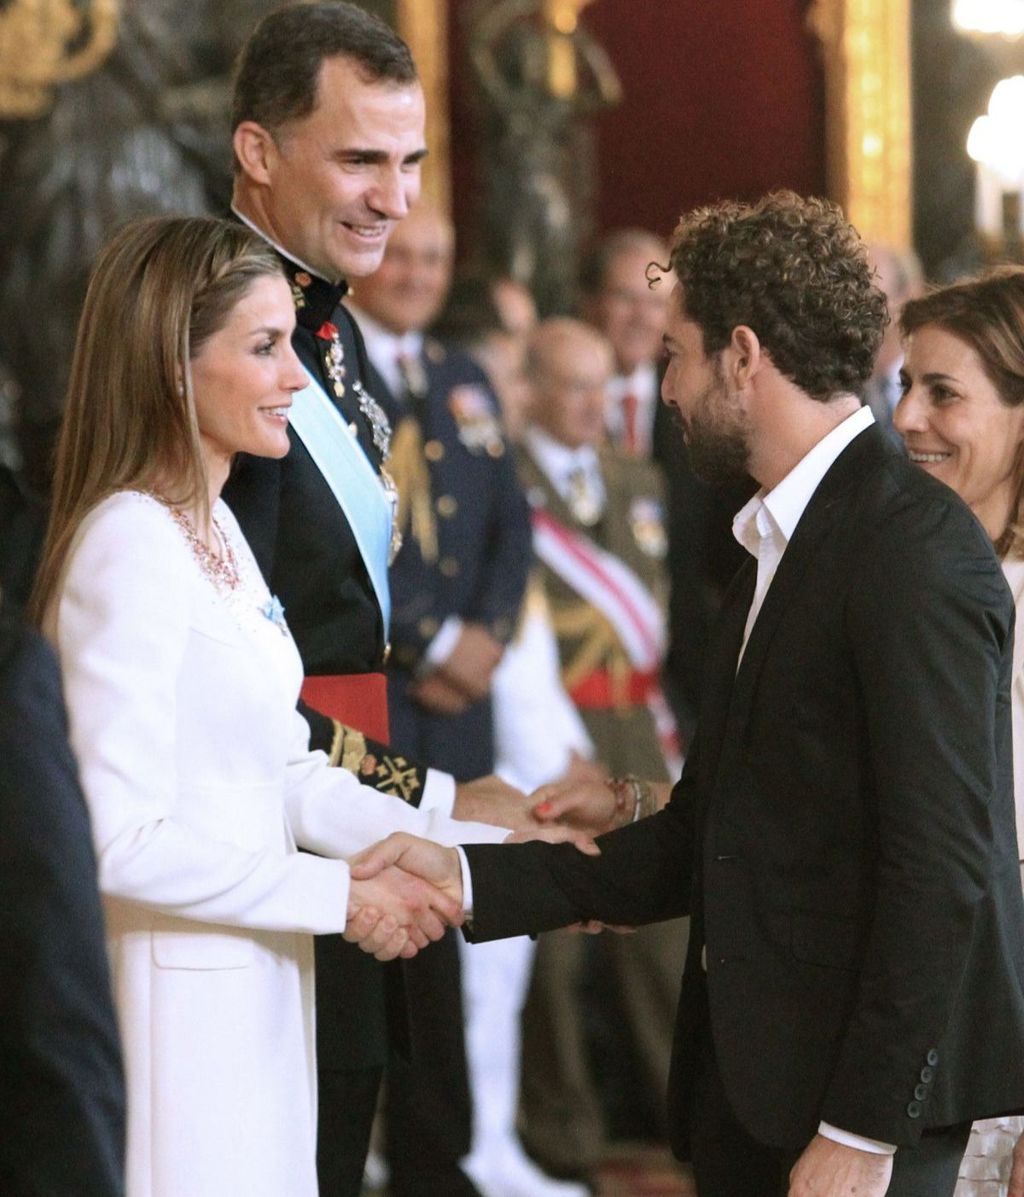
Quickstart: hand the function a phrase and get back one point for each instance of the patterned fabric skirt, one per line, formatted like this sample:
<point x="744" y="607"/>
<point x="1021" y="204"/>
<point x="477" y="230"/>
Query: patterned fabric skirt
<point x="985" y="1170"/>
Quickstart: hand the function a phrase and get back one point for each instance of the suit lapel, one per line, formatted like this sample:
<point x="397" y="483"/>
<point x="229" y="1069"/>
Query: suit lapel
<point x="827" y="503"/>
<point x="721" y="671"/>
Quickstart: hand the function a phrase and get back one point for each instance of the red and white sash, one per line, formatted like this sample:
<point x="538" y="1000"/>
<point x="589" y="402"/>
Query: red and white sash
<point x="607" y="584"/>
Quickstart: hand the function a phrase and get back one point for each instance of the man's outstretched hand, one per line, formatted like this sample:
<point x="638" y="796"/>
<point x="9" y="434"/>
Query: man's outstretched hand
<point x="491" y="800"/>
<point x="392" y="912"/>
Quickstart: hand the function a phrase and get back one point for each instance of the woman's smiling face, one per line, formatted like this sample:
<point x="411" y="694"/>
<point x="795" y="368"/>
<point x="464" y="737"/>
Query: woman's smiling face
<point x="955" y="425"/>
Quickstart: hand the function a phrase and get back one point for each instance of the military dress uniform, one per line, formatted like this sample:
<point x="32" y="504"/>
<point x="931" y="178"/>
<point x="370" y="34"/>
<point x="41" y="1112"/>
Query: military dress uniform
<point x="309" y="555"/>
<point x="620" y="512"/>
<point x="465" y="556"/>
<point x="465" y="529"/>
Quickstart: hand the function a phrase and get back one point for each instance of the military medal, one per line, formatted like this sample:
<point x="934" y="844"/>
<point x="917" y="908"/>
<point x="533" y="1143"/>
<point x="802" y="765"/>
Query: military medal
<point x="334" y="356"/>
<point x="380" y="425"/>
<point x="391" y="494"/>
<point x="584" y="500"/>
<point x="373" y="413"/>
<point x="474" y="416"/>
<point x="646" y="521"/>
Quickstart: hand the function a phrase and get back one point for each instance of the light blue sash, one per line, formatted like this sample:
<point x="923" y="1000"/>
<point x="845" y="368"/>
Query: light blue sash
<point x="352" y="479"/>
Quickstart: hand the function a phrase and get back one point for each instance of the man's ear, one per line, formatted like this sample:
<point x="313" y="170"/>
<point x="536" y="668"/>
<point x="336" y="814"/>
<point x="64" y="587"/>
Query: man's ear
<point x="256" y="151"/>
<point x="742" y="357"/>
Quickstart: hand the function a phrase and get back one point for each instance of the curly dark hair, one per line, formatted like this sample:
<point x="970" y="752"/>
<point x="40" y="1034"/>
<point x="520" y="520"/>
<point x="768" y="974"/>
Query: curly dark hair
<point x="793" y="270"/>
<point x="278" y="69"/>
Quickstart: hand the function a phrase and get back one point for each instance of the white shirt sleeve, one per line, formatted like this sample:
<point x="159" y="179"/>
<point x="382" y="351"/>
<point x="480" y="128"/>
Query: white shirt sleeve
<point x="849" y="1139"/>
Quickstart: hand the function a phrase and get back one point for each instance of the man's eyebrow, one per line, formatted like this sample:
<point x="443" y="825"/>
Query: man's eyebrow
<point x="376" y="156"/>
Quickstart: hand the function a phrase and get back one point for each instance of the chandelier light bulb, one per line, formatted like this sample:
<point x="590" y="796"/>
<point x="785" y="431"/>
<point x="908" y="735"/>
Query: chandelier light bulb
<point x="1000" y="17"/>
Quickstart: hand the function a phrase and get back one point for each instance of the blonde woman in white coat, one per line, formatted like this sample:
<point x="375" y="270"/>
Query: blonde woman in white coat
<point x="181" y="682"/>
<point x="962" y="419"/>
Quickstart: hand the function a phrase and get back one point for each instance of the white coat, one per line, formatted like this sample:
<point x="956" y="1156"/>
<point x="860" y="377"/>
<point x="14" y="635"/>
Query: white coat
<point x="196" y="768"/>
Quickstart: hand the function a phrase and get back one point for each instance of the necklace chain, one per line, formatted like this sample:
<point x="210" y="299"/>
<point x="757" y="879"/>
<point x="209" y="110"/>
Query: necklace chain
<point x="221" y="570"/>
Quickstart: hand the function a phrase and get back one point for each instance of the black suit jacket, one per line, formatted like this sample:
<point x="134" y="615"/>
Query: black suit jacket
<point x="843" y="831"/>
<point x="61" y="1086"/>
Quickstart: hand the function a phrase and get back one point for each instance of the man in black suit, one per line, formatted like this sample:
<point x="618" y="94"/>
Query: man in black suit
<point x="61" y="1085"/>
<point x="843" y="833"/>
<point x="328" y="118"/>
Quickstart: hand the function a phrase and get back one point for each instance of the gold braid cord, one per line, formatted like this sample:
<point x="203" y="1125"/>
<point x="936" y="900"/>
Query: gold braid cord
<point x="599" y="645"/>
<point x="375" y="765"/>
<point x="407" y="466"/>
<point x="36" y="40"/>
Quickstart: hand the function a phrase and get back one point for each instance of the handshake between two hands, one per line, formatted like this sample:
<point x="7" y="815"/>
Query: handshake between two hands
<point x="406" y="891"/>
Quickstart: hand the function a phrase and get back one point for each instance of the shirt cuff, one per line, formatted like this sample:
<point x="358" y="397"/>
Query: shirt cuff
<point x="438" y="793"/>
<point x="849" y="1139"/>
<point x="442" y="646"/>
<point x="467" y="884"/>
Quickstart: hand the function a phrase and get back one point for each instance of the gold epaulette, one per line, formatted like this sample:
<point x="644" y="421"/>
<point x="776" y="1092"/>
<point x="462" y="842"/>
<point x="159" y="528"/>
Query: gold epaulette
<point x="408" y="469"/>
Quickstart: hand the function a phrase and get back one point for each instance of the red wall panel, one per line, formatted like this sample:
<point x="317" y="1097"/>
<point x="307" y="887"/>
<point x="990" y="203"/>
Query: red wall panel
<point x="721" y="98"/>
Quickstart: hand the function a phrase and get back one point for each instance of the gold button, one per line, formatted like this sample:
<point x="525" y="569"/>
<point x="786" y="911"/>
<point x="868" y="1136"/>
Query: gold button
<point x="434" y="450"/>
<point x="449" y="567"/>
<point x="447" y="506"/>
<point x="428" y="626"/>
<point x="387" y="652"/>
<point x="496" y="448"/>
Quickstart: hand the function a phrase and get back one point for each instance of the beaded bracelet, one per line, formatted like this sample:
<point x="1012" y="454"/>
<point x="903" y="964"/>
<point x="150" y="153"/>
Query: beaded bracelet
<point x="628" y="787"/>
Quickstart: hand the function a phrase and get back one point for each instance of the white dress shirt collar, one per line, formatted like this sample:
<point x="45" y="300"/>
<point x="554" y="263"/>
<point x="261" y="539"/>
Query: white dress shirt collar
<point x="786" y="502"/>
<point x="558" y="462"/>
<point x="385" y="347"/>
<point x="766" y="524"/>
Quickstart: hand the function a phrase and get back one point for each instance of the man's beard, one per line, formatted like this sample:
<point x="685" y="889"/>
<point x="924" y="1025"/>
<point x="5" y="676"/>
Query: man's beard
<point x="716" y="436"/>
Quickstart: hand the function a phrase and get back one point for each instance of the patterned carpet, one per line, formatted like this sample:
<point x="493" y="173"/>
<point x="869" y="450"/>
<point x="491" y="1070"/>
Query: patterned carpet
<point x="643" y="1171"/>
<point x="631" y="1170"/>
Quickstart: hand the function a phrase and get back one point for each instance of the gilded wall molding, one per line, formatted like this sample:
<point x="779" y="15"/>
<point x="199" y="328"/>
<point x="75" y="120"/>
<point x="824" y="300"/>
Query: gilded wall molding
<point x="866" y="47"/>
<point x="424" y="25"/>
<point x="47" y="42"/>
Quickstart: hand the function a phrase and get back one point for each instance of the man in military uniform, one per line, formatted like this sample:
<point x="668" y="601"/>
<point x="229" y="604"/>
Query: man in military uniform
<point x="458" y="583"/>
<point x="599" y="535"/>
<point x="328" y="119"/>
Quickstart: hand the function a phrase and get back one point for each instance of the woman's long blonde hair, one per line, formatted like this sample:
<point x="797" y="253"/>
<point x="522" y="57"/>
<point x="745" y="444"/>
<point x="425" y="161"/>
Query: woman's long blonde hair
<point x="159" y="290"/>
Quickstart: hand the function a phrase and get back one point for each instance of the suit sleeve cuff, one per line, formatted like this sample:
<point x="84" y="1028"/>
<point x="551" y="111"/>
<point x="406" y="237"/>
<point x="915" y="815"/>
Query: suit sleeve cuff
<point x="846" y="1138"/>
<point x="438" y="793"/>
<point x="467" y="884"/>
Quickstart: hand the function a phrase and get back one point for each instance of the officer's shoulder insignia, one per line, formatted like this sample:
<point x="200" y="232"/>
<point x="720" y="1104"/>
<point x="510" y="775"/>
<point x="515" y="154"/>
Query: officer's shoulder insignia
<point x="647" y="523"/>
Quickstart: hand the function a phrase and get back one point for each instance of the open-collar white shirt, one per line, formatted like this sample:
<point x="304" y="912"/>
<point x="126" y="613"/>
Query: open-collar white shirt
<point x="765" y="525"/>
